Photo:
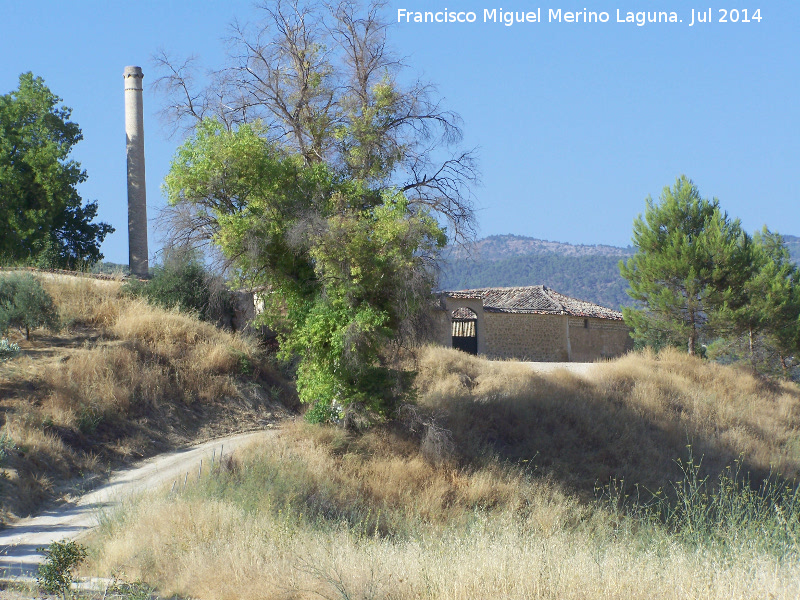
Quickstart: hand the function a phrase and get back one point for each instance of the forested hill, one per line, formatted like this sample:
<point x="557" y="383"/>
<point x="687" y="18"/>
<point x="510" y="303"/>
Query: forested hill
<point x="496" y="247"/>
<point x="581" y="271"/>
<point x="793" y="243"/>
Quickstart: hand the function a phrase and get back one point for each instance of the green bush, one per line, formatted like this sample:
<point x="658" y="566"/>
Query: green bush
<point x="183" y="281"/>
<point x="89" y="419"/>
<point x="25" y="304"/>
<point x="137" y="590"/>
<point x="60" y="559"/>
<point x="8" y="350"/>
<point x="6" y="445"/>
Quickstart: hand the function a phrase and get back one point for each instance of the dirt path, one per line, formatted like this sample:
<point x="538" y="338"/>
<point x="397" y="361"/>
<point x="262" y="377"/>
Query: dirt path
<point x="18" y="543"/>
<point x="576" y="368"/>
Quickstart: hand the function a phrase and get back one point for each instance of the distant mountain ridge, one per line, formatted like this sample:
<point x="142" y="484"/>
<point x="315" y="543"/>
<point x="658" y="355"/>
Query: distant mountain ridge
<point x="495" y="247"/>
<point x="793" y="243"/>
<point x="585" y="272"/>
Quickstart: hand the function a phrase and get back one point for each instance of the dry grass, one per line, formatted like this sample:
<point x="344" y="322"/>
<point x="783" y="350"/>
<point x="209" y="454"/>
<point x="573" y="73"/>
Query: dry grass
<point x="122" y="380"/>
<point x="84" y="300"/>
<point x="213" y="550"/>
<point x="202" y="357"/>
<point x="379" y="481"/>
<point x="320" y="515"/>
<point x="318" y="512"/>
<point x="631" y="419"/>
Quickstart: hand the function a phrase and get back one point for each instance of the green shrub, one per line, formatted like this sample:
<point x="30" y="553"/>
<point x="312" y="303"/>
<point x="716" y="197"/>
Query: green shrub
<point x="6" y="445"/>
<point x="8" y="350"/>
<point x="183" y="281"/>
<point x="60" y="559"/>
<point x="89" y="419"/>
<point x="137" y="590"/>
<point x="25" y="304"/>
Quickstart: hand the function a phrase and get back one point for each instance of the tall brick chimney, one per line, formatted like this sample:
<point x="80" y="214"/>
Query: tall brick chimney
<point x="137" y="193"/>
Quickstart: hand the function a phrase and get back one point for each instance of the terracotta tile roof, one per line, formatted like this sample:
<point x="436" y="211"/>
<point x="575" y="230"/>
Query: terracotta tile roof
<point x="536" y="299"/>
<point x="463" y="313"/>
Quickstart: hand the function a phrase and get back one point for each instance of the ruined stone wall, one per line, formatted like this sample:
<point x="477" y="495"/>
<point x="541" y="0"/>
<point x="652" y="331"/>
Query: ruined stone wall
<point x="526" y="337"/>
<point x="591" y="339"/>
<point x="441" y="330"/>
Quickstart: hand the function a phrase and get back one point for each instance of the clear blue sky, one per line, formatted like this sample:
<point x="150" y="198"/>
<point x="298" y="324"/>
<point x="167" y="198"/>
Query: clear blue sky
<point x="576" y="123"/>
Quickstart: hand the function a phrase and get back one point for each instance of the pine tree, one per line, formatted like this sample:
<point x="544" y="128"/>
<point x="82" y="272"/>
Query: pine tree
<point x="767" y="294"/>
<point x="691" y="261"/>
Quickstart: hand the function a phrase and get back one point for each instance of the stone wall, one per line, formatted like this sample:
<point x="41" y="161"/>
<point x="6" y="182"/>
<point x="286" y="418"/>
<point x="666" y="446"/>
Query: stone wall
<point x="526" y="337"/>
<point x="535" y="337"/>
<point x="442" y="332"/>
<point x="591" y="339"/>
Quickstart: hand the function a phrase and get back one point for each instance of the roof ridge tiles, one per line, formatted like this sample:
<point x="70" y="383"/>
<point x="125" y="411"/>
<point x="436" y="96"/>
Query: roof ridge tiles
<point x="535" y="299"/>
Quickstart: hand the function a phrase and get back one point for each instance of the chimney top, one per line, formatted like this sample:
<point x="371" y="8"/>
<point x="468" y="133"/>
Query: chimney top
<point x="133" y="78"/>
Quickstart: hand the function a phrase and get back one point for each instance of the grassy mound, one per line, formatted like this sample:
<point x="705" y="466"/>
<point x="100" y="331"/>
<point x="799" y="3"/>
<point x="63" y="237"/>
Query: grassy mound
<point x="488" y="490"/>
<point x="629" y="420"/>
<point x="121" y="380"/>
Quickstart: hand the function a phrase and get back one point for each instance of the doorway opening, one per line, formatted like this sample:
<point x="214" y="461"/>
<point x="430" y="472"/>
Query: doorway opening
<point x="465" y="330"/>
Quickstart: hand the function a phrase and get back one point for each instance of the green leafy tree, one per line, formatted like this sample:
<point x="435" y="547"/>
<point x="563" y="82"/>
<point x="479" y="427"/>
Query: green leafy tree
<point x="765" y="329"/>
<point x="785" y="330"/>
<point x="691" y="260"/>
<point x="773" y="307"/>
<point x="42" y="217"/>
<point x="322" y="79"/>
<point x="324" y="180"/>
<point x="24" y="303"/>
<point x="341" y="266"/>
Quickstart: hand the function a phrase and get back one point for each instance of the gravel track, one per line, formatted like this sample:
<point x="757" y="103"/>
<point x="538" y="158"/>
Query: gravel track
<point x="18" y="542"/>
<point x="573" y="367"/>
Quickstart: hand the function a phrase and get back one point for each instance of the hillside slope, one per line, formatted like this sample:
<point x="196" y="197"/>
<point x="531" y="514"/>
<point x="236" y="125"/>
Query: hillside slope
<point x="793" y="243"/>
<point x="122" y="380"/>
<point x="580" y="271"/>
<point x="500" y="483"/>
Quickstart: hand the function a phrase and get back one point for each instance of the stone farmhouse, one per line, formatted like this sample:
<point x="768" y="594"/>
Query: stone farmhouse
<point x="531" y="323"/>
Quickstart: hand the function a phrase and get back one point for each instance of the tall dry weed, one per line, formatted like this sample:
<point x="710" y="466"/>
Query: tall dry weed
<point x="204" y="543"/>
<point x="628" y="419"/>
<point x="83" y="300"/>
<point x="202" y="357"/>
<point x="112" y="381"/>
<point x="34" y="462"/>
